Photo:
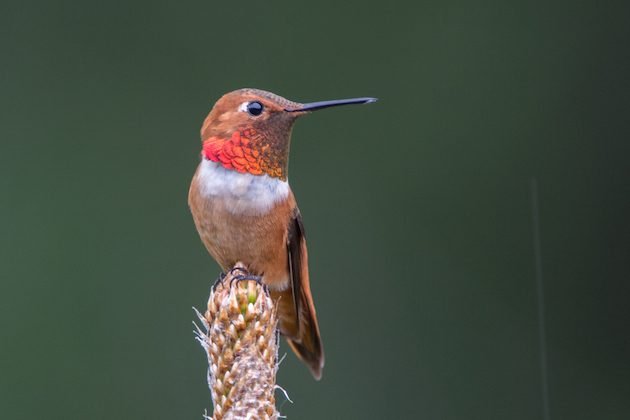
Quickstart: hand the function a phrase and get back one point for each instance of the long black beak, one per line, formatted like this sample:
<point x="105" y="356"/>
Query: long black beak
<point x="314" y="106"/>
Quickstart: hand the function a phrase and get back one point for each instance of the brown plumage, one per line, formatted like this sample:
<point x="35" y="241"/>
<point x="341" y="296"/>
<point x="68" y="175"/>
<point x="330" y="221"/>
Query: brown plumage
<point x="245" y="211"/>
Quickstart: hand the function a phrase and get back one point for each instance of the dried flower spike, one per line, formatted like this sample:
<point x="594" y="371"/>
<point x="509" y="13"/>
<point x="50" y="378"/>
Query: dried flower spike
<point x="242" y="346"/>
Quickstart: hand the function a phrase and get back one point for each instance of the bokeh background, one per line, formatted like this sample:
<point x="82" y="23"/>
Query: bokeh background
<point x="418" y="208"/>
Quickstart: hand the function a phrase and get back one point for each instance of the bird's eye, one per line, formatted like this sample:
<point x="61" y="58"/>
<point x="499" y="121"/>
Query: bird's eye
<point x="255" y="108"/>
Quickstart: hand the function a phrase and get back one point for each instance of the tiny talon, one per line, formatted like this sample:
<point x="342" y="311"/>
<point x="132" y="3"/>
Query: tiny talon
<point x="218" y="281"/>
<point x="244" y="277"/>
<point x="235" y="269"/>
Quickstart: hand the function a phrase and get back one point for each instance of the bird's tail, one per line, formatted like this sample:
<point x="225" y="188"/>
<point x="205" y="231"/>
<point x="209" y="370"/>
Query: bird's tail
<point x="301" y="330"/>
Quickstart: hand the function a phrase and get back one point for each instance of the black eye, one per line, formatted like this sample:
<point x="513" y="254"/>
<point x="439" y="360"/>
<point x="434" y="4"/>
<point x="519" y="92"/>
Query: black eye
<point x="255" y="108"/>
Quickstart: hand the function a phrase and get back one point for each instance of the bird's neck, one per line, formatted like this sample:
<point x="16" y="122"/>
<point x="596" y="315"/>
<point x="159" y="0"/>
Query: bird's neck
<point x="248" y="152"/>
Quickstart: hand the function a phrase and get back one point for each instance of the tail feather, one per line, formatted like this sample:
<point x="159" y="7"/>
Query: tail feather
<point x="301" y="332"/>
<point x="308" y="346"/>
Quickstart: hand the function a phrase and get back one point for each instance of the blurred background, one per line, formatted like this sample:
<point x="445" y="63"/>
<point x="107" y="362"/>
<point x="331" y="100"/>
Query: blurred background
<point x="418" y="208"/>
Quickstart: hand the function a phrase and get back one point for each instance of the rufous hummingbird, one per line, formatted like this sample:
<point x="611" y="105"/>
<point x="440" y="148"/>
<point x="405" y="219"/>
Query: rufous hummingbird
<point x="244" y="209"/>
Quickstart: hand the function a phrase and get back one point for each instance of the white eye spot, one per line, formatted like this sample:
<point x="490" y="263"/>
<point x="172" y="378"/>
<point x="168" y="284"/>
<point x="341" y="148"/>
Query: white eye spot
<point x="253" y="108"/>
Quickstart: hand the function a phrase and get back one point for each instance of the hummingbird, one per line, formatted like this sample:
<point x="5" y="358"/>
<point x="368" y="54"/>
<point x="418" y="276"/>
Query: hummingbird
<point x="245" y="211"/>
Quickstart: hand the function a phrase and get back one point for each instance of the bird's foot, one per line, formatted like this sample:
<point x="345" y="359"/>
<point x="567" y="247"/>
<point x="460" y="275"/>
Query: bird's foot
<point x="246" y="277"/>
<point x="237" y="269"/>
<point x="218" y="281"/>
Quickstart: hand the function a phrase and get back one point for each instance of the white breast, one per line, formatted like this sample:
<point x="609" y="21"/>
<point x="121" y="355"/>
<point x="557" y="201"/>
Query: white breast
<point x="240" y="193"/>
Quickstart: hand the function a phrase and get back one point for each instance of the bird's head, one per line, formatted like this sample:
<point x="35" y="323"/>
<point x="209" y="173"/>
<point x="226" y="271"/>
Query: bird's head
<point x="249" y="130"/>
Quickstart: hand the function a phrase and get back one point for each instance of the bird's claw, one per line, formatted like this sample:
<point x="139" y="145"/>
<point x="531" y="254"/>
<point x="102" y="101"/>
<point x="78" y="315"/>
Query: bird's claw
<point x="236" y="269"/>
<point x="246" y="277"/>
<point x="218" y="281"/>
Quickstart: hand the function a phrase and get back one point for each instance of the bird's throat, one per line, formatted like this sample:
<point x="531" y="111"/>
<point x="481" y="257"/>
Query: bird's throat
<point x="245" y="151"/>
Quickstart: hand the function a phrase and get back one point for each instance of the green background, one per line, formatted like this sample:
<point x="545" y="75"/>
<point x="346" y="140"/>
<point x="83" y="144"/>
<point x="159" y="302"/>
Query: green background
<point x="418" y="208"/>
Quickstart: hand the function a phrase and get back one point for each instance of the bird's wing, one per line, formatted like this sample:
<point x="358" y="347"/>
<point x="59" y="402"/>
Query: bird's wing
<point x="307" y="344"/>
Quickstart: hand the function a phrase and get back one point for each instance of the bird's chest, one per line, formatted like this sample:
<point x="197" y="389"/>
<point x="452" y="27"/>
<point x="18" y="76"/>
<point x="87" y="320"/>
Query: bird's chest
<point x="240" y="194"/>
<point x="239" y="216"/>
